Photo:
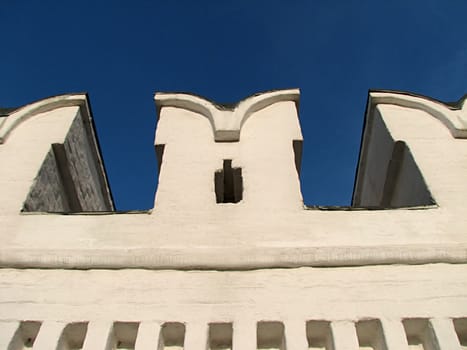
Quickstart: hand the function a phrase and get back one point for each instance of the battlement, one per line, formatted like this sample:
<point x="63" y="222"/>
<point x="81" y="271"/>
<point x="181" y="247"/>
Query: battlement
<point x="260" y="137"/>
<point x="51" y="158"/>
<point x="229" y="192"/>
<point x="229" y="258"/>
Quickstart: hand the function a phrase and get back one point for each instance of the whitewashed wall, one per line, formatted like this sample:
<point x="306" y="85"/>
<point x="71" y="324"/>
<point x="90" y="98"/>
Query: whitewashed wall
<point x="261" y="273"/>
<point x="427" y="295"/>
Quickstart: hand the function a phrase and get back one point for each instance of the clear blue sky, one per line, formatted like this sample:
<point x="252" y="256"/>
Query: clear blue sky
<point x="121" y="52"/>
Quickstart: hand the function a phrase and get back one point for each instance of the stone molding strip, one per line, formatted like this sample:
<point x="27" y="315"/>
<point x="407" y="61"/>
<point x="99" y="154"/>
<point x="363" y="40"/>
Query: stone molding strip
<point x="229" y="258"/>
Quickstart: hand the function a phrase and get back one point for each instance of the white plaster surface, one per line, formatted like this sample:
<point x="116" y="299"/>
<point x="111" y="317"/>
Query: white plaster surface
<point x="197" y="298"/>
<point x="268" y="228"/>
<point x="226" y="122"/>
<point x="25" y="150"/>
<point x="345" y="266"/>
<point x="265" y="154"/>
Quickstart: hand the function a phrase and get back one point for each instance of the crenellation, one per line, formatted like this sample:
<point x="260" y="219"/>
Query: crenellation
<point x="229" y="258"/>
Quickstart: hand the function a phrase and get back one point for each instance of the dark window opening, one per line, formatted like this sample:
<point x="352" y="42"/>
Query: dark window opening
<point x="124" y="335"/>
<point x="270" y="335"/>
<point x="26" y="335"/>
<point x="228" y="183"/>
<point x="73" y="335"/>
<point x="220" y="336"/>
<point x="172" y="335"/>
<point x="318" y="334"/>
<point x="460" y="326"/>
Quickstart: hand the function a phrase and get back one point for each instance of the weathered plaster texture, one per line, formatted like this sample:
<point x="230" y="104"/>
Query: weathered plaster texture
<point x="269" y="227"/>
<point x="342" y="296"/>
<point x="380" y="279"/>
<point x="264" y="152"/>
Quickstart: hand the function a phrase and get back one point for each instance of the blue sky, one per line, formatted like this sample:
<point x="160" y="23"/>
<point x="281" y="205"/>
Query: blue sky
<point x="121" y="52"/>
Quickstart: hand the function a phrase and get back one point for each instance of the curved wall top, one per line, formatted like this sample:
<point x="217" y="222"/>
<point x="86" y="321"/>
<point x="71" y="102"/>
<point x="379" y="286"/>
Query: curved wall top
<point x="24" y="113"/>
<point x="21" y="115"/>
<point x="226" y="121"/>
<point x="454" y="117"/>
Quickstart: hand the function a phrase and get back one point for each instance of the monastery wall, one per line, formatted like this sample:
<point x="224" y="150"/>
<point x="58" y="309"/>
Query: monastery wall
<point x="229" y="257"/>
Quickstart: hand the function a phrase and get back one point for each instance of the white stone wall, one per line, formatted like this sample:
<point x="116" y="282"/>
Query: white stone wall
<point x="264" y="152"/>
<point x="391" y="296"/>
<point x="264" y="273"/>
<point x="26" y="137"/>
<point x="188" y="229"/>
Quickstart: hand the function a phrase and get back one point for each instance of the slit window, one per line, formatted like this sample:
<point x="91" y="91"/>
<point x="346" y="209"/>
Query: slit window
<point x="228" y="183"/>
